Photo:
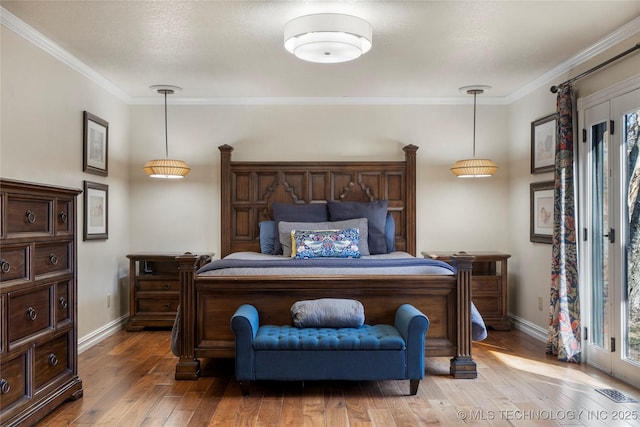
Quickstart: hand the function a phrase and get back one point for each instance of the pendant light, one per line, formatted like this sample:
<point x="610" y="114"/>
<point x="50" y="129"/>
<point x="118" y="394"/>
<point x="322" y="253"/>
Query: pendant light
<point x="166" y="168"/>
<point x="474" y="168"/>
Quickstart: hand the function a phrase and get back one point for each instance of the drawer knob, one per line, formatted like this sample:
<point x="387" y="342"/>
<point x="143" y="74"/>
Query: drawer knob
<point x="32" y="314"/>
<point x="63" y="217"/>
<point x="53" y="259"/>
<point x="31" y="217"/>
<point x="53" y="360"/>
<point x="167" y="306"/>
<point x="5" y="387"/>
<point x="166" y="286"/>
<point x="63" y="302"/>
<point x="5" y="266"/>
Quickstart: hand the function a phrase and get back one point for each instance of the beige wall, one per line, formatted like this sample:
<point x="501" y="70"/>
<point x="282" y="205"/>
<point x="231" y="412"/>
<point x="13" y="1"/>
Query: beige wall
<point x="453" y="214"/>
<point x="41" y="141"/>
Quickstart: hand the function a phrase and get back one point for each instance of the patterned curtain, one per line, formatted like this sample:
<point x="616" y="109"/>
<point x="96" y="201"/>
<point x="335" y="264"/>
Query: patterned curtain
<point x="564" y="308"/>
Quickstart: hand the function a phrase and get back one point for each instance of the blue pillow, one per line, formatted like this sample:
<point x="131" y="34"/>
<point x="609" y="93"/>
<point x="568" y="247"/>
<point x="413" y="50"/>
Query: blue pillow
<point x="268" y="236"/>
<point x="309" y="212"/>
<point x="376" y="214"/>
<point x="390" y="233"/>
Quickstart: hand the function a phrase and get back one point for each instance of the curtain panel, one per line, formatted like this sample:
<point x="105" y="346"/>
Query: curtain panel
<point x="564" y="339"/>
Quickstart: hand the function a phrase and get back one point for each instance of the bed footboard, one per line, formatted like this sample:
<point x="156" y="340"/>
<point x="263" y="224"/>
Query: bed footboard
<point x="207" y="304"/>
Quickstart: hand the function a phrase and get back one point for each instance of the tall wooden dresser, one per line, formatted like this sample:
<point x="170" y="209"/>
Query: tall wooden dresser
<point x="38" y="301"/>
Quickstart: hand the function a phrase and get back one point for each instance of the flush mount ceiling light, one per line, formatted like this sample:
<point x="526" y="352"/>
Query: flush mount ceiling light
<point x="166" y="168"/>
<point x="327" y="37"/>
<point x="474" y="168"/>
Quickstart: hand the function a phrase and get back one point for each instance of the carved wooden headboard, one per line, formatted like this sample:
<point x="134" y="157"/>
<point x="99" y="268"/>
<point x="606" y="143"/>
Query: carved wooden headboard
<point x="249" y="188"/>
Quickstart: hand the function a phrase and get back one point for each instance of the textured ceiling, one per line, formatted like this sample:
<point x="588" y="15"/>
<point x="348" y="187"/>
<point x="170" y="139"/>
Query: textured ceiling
<point x="233" y="49"/>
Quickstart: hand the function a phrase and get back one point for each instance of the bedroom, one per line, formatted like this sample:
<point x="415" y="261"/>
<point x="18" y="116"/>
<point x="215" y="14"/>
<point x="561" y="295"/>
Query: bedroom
<point x="43" y="99"/>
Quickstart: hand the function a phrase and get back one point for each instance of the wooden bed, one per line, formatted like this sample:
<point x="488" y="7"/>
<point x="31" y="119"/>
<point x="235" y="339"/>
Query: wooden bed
<point x="247" y="191"/>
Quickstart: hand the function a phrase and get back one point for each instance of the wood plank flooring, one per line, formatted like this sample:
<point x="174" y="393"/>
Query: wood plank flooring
<point x="128" y="381"/>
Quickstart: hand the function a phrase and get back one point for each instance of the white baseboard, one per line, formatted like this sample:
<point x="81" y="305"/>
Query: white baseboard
<point x="535" y="331"/>
<point x="98" y="335"/>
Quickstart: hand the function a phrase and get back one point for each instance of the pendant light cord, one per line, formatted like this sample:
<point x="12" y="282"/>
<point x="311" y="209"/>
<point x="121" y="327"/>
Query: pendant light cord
<point x="475" y="94"/>
<point x="166" y="133"/>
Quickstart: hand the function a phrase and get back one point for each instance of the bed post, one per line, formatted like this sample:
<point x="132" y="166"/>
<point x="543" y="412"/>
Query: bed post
<point x="225" y="198"/>
<point x="188" y="367"/>
<point x="410" y="202"/>
<point x="462" y="365"/>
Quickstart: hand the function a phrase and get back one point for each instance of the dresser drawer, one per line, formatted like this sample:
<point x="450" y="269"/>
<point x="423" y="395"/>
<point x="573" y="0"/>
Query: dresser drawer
<point x="53" y="258"/>
<point x="13" y="381"/>
<point x="63" y="301"/>
<point x="157" y="305"/>
<point x="29" y="312"/>
<point x="15" y="263"/>
<point x="51" y="360"/>
<point x="28" y="215"/>
<point x="144" y="284"/>
<point x="64" y="216"/>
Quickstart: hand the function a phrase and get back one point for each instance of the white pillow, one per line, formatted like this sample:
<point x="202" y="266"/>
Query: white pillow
<point x="285" y="228"/>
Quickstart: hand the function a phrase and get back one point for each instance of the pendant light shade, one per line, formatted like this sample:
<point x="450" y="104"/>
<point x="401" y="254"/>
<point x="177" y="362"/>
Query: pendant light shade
<point x="166" y="168"/>
<point x="474" y="168"/>
<point x="327" y="37"/>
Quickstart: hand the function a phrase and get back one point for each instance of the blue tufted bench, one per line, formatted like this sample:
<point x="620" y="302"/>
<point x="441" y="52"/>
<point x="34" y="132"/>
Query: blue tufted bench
<point x="371" y="352"/>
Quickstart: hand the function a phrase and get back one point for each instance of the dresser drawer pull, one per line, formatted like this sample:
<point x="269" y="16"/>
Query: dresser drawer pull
<point x="5" y="266"/>
<point x="32" y="314"/>
<point x="31" y="217"/>
<point x="53" y="360"/>
<point x="53" y="259"/>
<point x="167" y="286"/>
<point x="167" y="306"/>
<point x="63" y="302"/>
<point x="5" y="387"/>
<point x="63" y="217"/>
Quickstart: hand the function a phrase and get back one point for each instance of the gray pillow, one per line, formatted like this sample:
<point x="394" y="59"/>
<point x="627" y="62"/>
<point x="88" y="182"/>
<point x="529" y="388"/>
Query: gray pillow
<point x="328" y="313"/>
<point x="285" y="228"/>
<point x="375" y="212"/>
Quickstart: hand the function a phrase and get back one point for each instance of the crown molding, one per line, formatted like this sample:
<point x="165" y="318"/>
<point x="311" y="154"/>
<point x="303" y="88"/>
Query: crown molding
<point x="559" y="72"/>
<point x="552" y="76"/>
<point x="15" y="24"/>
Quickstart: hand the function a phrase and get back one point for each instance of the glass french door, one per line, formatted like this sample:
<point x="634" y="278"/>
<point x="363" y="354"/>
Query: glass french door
<point x="609" y="161"/>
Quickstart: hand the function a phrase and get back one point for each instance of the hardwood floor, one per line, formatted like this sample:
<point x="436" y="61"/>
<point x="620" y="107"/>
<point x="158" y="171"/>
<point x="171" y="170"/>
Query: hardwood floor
<point x="128" y="381"/>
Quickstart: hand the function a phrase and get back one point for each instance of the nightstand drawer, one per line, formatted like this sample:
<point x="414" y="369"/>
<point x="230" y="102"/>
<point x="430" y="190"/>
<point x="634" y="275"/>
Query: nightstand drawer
<point x="52" y="360"/>
<point x="53" y="258"/>
<point x="157" y="305"/>
<point x="486" y="284"/>
<point x="13" y="381"/>
<point x="158" y="285"/>
<point x="28" y="216"/>
<point x="29" y="312"/>
<point x="14" y="263"/>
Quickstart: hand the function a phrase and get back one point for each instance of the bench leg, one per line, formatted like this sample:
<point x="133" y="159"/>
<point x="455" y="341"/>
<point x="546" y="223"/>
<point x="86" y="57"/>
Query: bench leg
<point x="413" y="387"/>
<point x="244" y="387"/>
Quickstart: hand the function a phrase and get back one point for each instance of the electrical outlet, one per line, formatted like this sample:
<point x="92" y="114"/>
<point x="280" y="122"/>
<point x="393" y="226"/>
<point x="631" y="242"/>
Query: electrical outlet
<point x="108" y="300"/>
<point x="540" y="303"/>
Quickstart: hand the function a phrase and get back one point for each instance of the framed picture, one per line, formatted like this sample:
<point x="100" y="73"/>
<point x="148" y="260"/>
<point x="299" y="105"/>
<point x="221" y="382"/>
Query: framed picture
<point x="543" y="144"/>
<point x="96" y="145"/>
<point x="96" y="211"/>
<point x="541" y="195"/>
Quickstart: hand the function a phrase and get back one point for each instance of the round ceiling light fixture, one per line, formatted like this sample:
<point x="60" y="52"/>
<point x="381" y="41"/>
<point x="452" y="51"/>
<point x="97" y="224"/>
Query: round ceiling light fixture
<point x="327" y="38"/>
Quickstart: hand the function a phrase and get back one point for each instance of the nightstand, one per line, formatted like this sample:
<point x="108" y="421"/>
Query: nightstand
<point x="154" y="286"/>
<point x="489" y="285"/>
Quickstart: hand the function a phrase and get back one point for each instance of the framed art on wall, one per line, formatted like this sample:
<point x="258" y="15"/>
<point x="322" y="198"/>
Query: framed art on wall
<point x="96" y="145"/>
<point x="543" y="144"/>
<point x="96" y="211"/>
<point x="541" y="205"/>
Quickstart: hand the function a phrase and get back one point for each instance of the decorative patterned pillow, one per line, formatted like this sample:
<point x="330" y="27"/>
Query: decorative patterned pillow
<point x="284" y="232"/>
<point x="325" y="243"/>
